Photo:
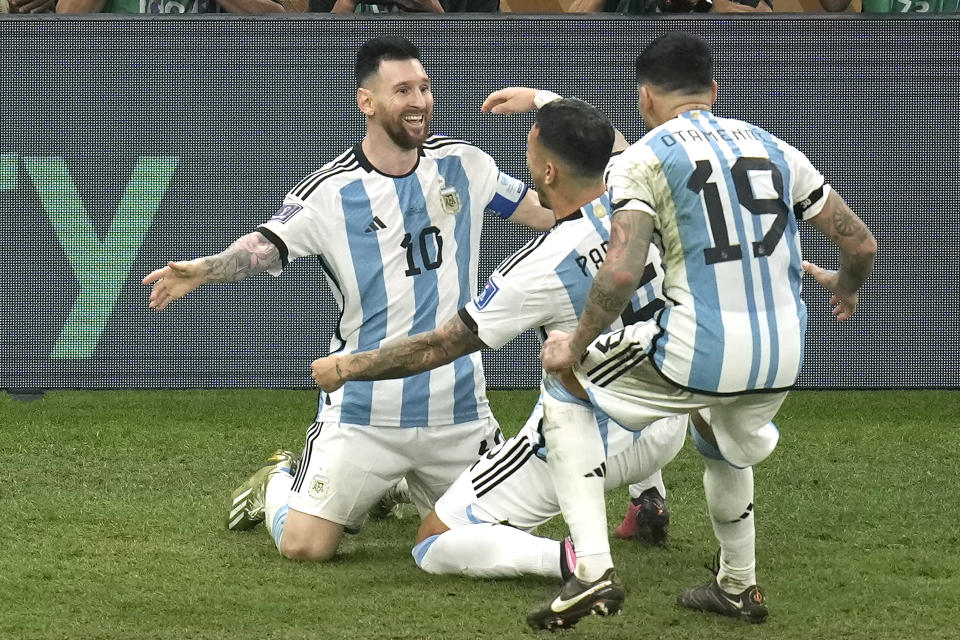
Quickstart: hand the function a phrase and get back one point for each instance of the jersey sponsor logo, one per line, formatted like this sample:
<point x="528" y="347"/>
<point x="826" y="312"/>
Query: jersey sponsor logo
<point x="486" y="295"/>
<point x="286" y="212"/>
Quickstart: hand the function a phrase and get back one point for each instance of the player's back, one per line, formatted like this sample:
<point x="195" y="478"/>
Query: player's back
<point x="722" y="194"/>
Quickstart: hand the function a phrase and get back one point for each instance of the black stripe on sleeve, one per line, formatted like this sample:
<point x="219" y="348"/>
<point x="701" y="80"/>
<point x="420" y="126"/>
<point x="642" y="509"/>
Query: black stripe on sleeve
<point x="620" y="204"/>
<point x="278" y="243"/>
<point x="800" y="208"/>
<point x="470" y="323"/>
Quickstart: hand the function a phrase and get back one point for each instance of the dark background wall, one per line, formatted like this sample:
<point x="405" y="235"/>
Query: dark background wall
<point x="128" y="142"/>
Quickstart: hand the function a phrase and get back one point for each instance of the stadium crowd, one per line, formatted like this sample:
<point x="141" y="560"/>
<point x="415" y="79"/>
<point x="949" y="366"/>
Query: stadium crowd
<point x="625" y="7"/>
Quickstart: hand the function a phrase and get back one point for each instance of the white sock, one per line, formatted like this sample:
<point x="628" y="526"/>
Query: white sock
<point x="488" y="551"/>
<point x="576" y="461"/>
<point x="275" y="504"/>
<point x="729" y="493"/>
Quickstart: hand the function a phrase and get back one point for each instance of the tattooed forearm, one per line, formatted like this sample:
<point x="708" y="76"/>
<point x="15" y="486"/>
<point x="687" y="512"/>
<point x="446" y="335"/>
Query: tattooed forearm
<point x="413" y="354"/>
<point x="846" y="223"/>
<point x="248" y="255"/>
<point x="854" y="270"/>
<point x="856" y="243"/>
<point x="618" y="277"/>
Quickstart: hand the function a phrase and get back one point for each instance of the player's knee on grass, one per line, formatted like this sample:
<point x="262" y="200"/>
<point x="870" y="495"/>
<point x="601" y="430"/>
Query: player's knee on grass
<point x="307" y="537"/>
<point x="432" y="525"/>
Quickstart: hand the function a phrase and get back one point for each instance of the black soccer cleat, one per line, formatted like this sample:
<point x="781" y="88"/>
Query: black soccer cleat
<point x="750" y="604"/>
<point x="578" y="599"/>
<point x="646" y="520"/>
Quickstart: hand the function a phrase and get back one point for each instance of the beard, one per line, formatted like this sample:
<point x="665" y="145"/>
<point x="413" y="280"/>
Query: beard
<point x="402" y="137"/>
<point x="541" y="193"/>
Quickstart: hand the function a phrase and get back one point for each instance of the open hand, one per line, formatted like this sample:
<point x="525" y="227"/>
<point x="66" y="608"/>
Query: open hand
<point x="844" y="304"/>
<point x="173" y="281"/>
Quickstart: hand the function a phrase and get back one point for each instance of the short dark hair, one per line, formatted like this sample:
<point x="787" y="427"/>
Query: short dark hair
<point x="578" y="134"/>
<point x="382" y="48"/>
<point x="676" y="61"/>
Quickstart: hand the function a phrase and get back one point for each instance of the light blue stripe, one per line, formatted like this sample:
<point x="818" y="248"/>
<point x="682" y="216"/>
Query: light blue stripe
<point x="694" y="238"/>
<point x="472" y="518"/>
<point x="745" y="246"/>
<point x="421" y="548"/>
<point x="792" y="238"/>
<point x="555" y="389"/>
<point x="464" y="386"/>
<point x="570" y="268"/>
<point x="279" y="520"/>
<point x="415" y="399"/>
<point x="603" y="421"/>
<point x="765" y="278"/>
<point x="574" y="282"/>
<point x="368" y="269"/>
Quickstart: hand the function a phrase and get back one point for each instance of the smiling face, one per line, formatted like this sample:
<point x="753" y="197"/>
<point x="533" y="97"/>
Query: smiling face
<point x="400" y="102"/>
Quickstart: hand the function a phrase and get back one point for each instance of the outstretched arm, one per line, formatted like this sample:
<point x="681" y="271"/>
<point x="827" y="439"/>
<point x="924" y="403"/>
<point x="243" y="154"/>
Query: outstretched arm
<point x="858" y="248"/>
<point x="615" y="282"/>
<point x="399" y="359"/>
<point x="248" y="255"/>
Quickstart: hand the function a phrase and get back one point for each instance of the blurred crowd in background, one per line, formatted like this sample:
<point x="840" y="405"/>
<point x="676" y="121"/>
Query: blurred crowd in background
<point x="626" y="7"/>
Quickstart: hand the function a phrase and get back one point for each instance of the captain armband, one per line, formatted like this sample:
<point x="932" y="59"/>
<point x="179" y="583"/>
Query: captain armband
<point x="508" y="193"/>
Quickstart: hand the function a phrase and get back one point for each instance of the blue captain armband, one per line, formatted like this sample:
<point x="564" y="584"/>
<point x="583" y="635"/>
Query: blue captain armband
<point x="507" y="196"/>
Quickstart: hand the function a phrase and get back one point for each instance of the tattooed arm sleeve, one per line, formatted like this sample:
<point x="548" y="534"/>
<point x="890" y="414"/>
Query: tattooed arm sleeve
<point x="617" y="279"/>
<point x="413" y="354"/>
<point x="856" y="243"/>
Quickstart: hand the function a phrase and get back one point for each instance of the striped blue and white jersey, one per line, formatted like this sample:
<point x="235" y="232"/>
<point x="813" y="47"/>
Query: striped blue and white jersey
<point x="544" y="286"/>
<point x="400" y="254"/>
<point x="726" y="197"/>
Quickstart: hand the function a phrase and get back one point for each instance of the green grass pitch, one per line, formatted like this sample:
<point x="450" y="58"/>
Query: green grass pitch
<point x="113" y="505"/>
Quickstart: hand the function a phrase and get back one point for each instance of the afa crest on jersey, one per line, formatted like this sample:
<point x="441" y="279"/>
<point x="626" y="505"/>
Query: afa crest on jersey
<point x="450" y="200"/>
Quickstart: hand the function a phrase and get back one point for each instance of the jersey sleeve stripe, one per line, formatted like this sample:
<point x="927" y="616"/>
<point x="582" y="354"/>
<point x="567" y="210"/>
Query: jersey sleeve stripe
<point x="278" y="243"/>
<point x="308" y="184"/>
<point x="517" y="257"/>
<point x="804" y="205"/>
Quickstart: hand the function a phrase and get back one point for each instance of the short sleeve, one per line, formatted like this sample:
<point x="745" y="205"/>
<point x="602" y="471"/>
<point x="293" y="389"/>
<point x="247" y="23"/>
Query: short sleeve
<point x="505" y="309"/>
<point x="629" y="183"/>
<point x="295" y="229"/>
<point x="809" y="189"/>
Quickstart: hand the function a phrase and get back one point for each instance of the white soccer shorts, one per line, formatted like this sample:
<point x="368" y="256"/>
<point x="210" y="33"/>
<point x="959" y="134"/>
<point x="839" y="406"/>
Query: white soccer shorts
<point x="346" y="468"/>
<point x="512" y="485"/>
<point x="623" y="382"/>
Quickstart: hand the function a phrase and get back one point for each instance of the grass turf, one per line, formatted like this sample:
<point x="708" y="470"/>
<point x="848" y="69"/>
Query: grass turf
<point x="113" y="510"/>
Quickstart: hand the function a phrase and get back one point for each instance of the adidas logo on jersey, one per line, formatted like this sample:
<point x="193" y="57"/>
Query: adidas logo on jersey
<point x="375" y="226"/>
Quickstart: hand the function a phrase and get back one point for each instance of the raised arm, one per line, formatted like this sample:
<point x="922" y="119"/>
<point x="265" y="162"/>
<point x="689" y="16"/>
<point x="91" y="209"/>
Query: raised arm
<point x="858" y="248"/>
<point x="399" y="359"/>
<point x="615" y="282"/>
<point x="248" y="255"/>
<point x="530" y="213"/>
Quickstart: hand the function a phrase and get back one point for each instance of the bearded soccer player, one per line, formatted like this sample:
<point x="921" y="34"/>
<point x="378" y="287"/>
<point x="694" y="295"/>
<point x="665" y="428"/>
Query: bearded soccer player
<point x="395" y="221"/>
<point x="725" y="199"/>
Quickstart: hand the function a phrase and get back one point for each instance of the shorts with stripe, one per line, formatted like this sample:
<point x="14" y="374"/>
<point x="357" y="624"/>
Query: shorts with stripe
<point x="346" y="468"/>
<point x="512" y="484"/>
<point x="622" y="381"/>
